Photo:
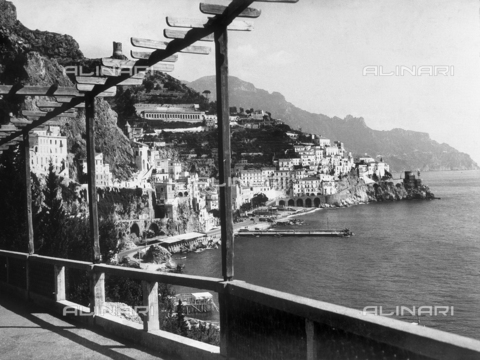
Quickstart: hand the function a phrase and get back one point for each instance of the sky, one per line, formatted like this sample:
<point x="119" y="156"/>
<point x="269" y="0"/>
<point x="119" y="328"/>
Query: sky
<point x="315" y="53"/>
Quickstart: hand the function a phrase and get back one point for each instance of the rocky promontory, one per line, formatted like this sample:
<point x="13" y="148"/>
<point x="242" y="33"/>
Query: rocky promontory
<point x="354" y="191"/>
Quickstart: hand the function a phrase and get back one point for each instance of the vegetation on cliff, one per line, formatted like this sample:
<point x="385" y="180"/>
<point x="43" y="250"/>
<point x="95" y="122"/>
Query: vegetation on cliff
<point x="36" y="58"/>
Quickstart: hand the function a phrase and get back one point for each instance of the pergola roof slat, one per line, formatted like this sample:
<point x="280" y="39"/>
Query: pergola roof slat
<point x="44" y="113"/>
<point x="38" y="90"/>
<point x="181" y="34"/>
<point x="146" y="55"/>
<point x="237" y="25"/>
<point x="213" y="9"/>
<point x="53" y="104"/>
<point x="163" y="45"/>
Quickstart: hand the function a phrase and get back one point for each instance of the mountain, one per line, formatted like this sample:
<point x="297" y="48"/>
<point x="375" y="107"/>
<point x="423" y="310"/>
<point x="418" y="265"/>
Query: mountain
<point x="33" y="57"/>
<point x="402" y="149"/>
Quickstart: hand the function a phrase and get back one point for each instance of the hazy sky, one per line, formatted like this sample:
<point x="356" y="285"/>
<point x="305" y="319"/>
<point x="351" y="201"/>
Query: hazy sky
<point x="314" y="53"/>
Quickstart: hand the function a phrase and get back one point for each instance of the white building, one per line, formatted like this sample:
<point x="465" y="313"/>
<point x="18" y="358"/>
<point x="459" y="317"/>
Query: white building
<point x="309" y="186"/>
<point x="49" y="146"/>
<point x="250" y="177"/>
<point x="103" y="175"/>
<point x="167" y="112"/>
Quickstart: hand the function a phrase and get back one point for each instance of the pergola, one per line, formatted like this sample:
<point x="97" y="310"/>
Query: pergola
<point x="127" y="72"/>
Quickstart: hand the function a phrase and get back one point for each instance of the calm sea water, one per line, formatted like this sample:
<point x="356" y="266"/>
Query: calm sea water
<point x="406" y="253"/>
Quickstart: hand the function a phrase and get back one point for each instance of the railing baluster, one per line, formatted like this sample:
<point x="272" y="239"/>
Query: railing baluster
<point x="311" y="331"/>
<point x="27" y="279"/>
<point x="150" y="301"/>
<point x="8" y="269"/>
<point x="224" y="328"/>
<point x="60" y="283"/>
<point x="97" y="289"/>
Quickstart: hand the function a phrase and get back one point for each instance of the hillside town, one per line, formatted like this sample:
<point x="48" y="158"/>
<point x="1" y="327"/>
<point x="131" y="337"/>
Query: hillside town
<point x="311" y="165"/>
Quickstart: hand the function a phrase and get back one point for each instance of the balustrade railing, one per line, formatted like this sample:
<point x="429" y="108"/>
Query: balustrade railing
<point x="255" y="322"/>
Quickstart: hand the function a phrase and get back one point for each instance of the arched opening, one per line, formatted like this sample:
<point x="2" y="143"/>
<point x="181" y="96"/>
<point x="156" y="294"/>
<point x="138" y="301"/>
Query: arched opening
<point x="135" y="229"/>
<point x="291" y="202"/>
<point x="312" y="194"/>
<point x="300" y="202"/>
<point x="185" y="193"/>
<point x="160" y="212"/>
<point x="180" y="194"/>
<point x="154" y="229"/>
<point x="281" y="203"/>
<point x="316" y="202"/>
<point x="308" y="202"/>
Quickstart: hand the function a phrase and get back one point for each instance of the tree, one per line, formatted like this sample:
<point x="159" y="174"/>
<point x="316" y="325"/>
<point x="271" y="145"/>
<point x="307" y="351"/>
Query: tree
<point x="176" y="324"/>
<point x="182" y="328"/>
<point x="259" y="199"/>
<point x="50" y="235"/>
<point x="236" y="216"/>
<point x="215" y="213"/>
<point x="149" y="85"/>
<point x="12" y="206"/>
<point x="107" y="238"/>
<point x="246" y="207"/>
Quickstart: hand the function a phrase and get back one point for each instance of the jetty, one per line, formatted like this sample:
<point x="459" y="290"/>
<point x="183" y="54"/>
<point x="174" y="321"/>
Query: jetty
<point x="194" y="303"/>
<point x="313" y="233"/>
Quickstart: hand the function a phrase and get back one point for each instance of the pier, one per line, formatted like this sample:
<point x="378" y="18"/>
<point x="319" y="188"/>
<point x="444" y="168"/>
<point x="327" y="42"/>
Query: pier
<point x="314" y="233"/>
<point x="201" y="302"/>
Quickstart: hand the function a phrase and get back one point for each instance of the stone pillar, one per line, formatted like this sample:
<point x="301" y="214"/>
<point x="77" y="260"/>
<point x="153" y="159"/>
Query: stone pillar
<point x="150" y="301"/>
<point x="60" y="283"/>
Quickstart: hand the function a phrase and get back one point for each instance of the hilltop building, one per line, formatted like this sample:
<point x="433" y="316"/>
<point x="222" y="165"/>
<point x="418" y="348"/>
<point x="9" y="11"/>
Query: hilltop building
<point x="169" y="112"/>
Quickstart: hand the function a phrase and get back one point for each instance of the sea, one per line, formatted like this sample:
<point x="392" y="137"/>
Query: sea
<point x="404" y="253"/>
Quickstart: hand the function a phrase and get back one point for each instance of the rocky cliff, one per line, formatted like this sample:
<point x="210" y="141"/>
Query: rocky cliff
<point x="355" y="191"/>
<point x="36" y="58"/>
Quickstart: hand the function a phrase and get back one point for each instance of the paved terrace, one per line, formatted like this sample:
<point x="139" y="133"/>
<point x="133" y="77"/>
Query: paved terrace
<point x="28" y="331"/>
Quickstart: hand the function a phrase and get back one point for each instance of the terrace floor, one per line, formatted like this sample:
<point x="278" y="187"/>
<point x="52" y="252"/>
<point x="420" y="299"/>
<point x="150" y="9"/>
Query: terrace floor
<point x="27" y="331"/>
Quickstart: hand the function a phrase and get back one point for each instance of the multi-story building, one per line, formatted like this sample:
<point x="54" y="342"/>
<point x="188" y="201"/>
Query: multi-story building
<point x="168" y="112"/>
<point x="211" y="199"/>
<point x="323" y="142"/>
<point x="49" y="146"/>
<point x="103" y="175"/>
<point x="249" y="177"/>
<point x="328" y="187"/>
<point x="142" y="156"/>
<point x="281" y="180"/>
<point x="307" y="186"/>
<point x="308" y="158"/>
<point x="267" y="172"/>
<point x="331" y="151"/>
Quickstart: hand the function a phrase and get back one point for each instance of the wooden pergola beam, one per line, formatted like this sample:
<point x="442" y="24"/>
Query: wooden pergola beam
<point x="28" y="192"/>
<point x="220" y="24"/>
<point x="38" y="90"/>
<point x="50" y="115"/>
<point x="92" y="184"/>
